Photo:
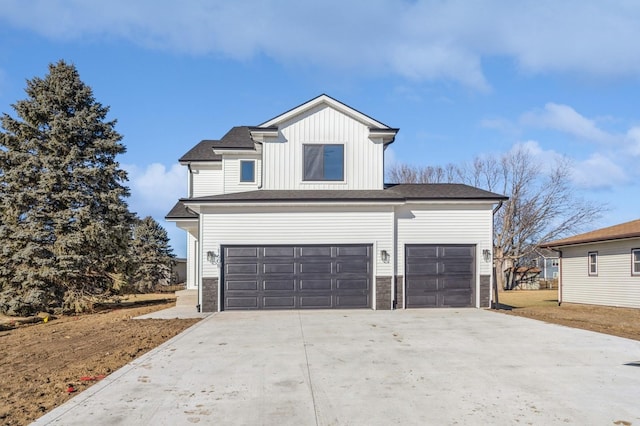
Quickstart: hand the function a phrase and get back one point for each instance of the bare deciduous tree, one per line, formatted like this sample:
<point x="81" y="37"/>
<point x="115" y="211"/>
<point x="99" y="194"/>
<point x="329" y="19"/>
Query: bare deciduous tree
<point x="404" y="173"/>
<point x="542" y="203"/>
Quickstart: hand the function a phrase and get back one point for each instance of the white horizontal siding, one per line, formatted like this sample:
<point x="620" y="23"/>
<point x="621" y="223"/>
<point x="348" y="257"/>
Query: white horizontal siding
<point x="446" y="224"/>
<point x="613" y="286"/>
<point x="207" y="180"/>
<point x="298" y="225"/>
<point x="284" y="156"/>
<point x="231" y="164"/>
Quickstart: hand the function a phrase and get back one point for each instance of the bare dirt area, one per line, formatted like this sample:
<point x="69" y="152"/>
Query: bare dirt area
<point x="47" y="363"/>
<point x="543" y="305"/>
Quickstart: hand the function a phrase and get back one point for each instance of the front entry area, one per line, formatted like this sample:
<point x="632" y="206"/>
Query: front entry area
<point x="296" y="277"/>
<point x="439" y="276"/>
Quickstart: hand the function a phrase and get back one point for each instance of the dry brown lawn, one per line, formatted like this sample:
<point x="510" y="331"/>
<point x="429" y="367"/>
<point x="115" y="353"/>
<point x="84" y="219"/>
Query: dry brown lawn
<point x="45" y="364"/>
<point x="543" y="305"/>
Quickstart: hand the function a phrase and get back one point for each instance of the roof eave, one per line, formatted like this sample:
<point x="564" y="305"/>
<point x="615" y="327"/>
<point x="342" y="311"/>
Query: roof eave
<point x="552" y="244"/>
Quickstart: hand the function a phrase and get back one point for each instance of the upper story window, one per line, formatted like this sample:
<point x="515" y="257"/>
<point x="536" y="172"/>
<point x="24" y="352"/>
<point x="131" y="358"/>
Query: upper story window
<point x="555" y="262"/>
<point x="593" y="263"/>
<point x="635" y="262"/>
<point x="324" y="162"/>
<point x="247" y="171"/>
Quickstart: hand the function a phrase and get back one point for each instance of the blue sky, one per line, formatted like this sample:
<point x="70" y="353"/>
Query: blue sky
<point x="459" y="78"/>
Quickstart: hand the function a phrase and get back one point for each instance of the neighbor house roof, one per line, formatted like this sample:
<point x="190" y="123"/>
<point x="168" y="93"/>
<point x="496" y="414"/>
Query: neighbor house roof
<point x="399" y="192"/>
<point x="616" y="232"/>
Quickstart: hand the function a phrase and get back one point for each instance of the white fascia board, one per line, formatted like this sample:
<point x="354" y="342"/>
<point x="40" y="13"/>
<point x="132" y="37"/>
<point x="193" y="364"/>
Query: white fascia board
<point x="329" y="101"/>
<point x="384" y="137"/>
<point x="441" y="202"/>
<point x="201" y="164"/>
<point x="197" y="207"/>
<point x="185" y="224"/>
<point x="226" y="151"/>
<point x="260" y="135"/>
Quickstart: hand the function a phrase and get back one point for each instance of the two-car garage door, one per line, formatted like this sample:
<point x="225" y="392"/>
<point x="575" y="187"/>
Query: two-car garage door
<point x="297" y="277"/>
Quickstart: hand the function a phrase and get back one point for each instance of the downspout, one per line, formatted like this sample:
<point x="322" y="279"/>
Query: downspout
<point x="261" y="166"/>
<point x="190" y="182"/>
<point x="559" y="275"/>
<point x="493" y="271"/>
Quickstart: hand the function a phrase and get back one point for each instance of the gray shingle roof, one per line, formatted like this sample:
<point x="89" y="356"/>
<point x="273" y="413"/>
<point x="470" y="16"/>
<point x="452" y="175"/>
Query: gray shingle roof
<point x="201" y="152"/>
<point x="238" y="137"/>
<point x="180" y="211"/>
<point x="400" y="192"/>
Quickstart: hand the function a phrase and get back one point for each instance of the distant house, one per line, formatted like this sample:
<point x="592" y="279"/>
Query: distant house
<point x="526" y="277"/>
<point x="548" y="262"/>
<point x="601" y="267"/>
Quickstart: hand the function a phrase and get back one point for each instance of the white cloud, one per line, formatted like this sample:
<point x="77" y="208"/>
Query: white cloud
<point x="500" y="124"/>
<point x="599" y="172"/>
<point x="155" y="189"/>
<point x="421" y="40"/>
<point x="566" y="119"/>
<point x="633" y="141"/>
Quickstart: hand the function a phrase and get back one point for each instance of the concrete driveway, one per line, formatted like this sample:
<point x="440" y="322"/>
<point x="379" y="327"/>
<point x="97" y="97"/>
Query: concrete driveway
<point x="439" y="367"/>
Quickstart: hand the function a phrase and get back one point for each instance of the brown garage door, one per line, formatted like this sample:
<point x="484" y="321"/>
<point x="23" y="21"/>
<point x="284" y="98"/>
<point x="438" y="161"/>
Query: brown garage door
<point x="297" y="277"/>
<point x="439" y="276"/>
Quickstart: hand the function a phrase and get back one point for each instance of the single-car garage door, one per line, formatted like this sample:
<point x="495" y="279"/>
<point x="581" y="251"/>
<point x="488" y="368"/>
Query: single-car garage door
<point x="297" y="277"/>
<point x="439" y="276"/>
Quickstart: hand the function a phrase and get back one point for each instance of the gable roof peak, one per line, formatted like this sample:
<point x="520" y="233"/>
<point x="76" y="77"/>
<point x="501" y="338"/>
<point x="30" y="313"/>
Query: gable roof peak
<point x="332" y="102"/>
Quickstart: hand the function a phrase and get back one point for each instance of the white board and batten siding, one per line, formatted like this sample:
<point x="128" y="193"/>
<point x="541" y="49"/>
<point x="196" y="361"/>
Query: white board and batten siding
<point x="446" y="224"/>
<point x="298" y="225"/>
<point x="614" y="284"/>
<point x="363" y="156"/>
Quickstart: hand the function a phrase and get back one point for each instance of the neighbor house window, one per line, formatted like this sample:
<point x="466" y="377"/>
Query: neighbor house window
<point x="323" y="162"/>
<point x="593" y="263"/>
<point x="555" y="262"/>
<point x="247" y="171"/>
<point x="635" y="262"/>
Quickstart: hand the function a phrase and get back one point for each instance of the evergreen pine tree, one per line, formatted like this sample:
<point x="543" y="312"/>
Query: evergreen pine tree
<point x="64" y="224"/>
<point x="151" y="255"/>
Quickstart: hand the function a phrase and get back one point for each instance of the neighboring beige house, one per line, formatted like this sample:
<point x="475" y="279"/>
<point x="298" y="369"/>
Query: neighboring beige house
<point x="601" y="267"/>
<point x="294" y="214"/>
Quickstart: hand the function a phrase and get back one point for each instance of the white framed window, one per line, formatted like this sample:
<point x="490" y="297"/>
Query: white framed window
<point x="247" y="171"/>
<point x="593" y="263"/>
<point x="554" y="262"/>
<point x="323" y="162"/>
<point x="635" y="261"/>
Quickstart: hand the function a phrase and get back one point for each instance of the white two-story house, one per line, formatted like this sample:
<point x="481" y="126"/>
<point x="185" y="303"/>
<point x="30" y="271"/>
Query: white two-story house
<point x="294" y="214"/>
